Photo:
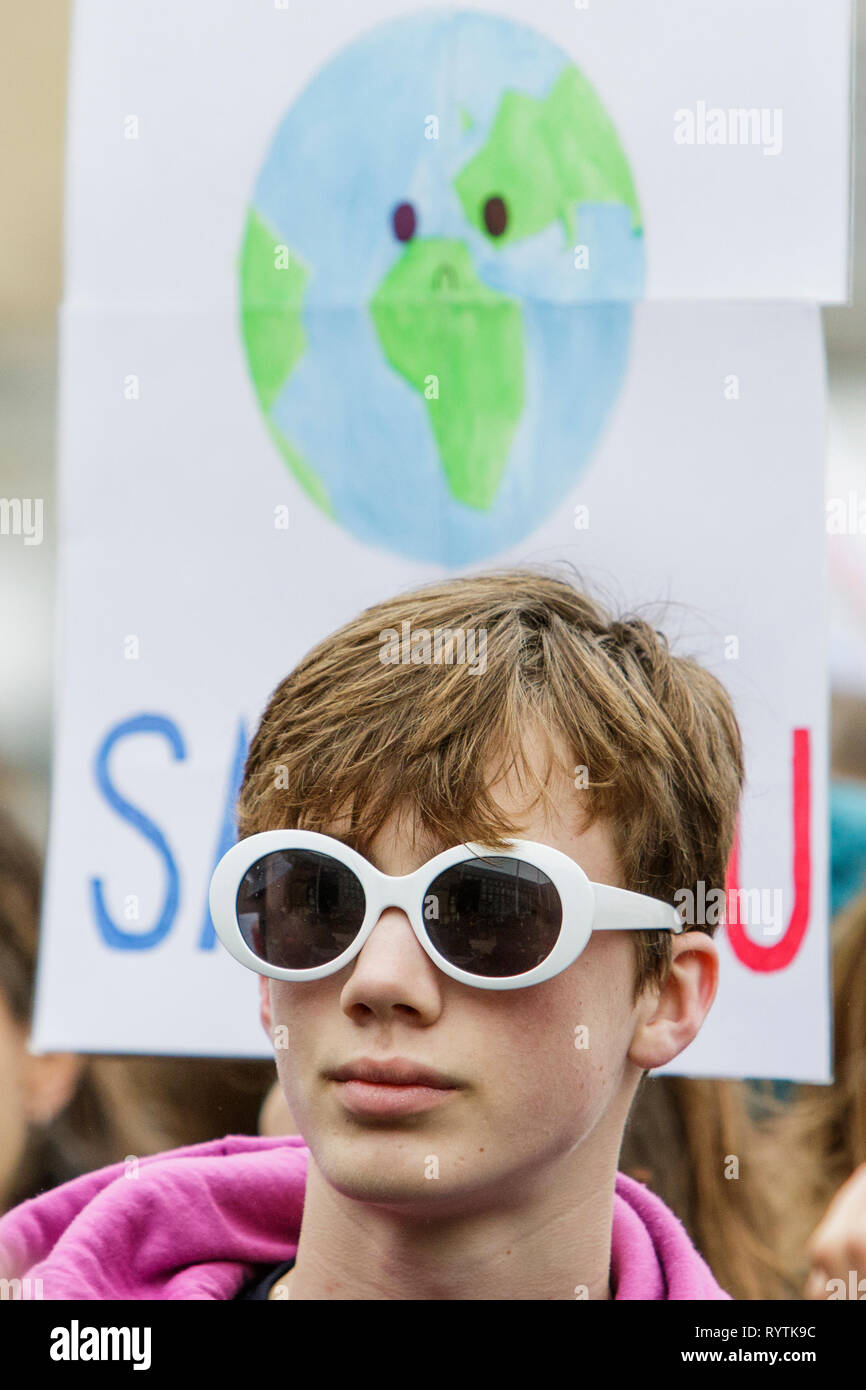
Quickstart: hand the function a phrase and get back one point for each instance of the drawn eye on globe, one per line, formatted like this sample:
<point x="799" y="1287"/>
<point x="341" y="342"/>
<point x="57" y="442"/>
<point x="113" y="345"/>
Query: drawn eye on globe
<point x="495" y="215"/>
<point x="404" y="218"/>
<point x="433" y="364"/>
<point x="404" y="221"/>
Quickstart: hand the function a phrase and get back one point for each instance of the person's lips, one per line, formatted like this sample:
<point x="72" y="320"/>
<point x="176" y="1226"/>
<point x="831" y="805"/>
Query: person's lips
<point x="395" y="1087"/>
<point x="395" y="1072"/>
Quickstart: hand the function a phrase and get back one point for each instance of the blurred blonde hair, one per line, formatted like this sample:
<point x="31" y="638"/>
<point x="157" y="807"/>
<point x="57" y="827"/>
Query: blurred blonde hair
<point x="825" y="1126"/>
<point x="679" y="1140"/>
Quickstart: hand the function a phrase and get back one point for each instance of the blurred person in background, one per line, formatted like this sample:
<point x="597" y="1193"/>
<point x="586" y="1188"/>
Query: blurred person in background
<point x="63" y="1114"/>
<point x="49" y="1102"/>
<point x="798" y="1206"/>
<point x="847" y="799"/>
<point x="706" y="1148"/>
<point x="822" y="1190"/>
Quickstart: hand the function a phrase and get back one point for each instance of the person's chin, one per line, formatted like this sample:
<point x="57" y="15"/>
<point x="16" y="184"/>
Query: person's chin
<point x="397" y="1177"/>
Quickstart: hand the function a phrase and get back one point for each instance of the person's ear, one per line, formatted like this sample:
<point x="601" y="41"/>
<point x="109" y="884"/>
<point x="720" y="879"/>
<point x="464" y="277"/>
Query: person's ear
<point x="670" y="1019"/>
<point x="265" y="1007"/>
<point x="50" y="1081"/>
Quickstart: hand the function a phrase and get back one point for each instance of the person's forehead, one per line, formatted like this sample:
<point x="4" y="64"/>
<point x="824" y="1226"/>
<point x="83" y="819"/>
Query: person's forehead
<point x="402" y="840"/>
<point x="405" y="840"/>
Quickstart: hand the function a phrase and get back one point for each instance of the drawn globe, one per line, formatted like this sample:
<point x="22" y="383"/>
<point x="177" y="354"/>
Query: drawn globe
<point x="437" y="273"/>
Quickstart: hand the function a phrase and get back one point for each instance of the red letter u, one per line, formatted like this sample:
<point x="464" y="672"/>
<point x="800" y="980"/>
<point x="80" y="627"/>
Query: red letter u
<point x="782" y="952"/>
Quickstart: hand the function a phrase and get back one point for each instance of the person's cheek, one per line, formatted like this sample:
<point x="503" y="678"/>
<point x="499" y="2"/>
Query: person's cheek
<point x="286" y="1037"/>
<point x="301" y="1034"/>
<point x="549" y="1065"/>
<point x="589" y="1026"/>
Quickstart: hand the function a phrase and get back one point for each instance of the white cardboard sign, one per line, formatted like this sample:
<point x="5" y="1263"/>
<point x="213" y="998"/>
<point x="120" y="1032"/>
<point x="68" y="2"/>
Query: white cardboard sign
<point x="318" y="345"/>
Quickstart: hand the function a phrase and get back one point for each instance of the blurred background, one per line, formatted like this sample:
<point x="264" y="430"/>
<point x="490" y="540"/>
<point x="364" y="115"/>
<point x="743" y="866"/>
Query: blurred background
<point x="33" y="55"/>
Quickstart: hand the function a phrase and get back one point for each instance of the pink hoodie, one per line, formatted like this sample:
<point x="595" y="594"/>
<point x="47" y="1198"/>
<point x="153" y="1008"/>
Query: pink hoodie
<point x="191" y="1224"/>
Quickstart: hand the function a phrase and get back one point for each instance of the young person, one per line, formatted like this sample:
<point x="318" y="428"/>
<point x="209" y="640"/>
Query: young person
<point x="516" y="982"/>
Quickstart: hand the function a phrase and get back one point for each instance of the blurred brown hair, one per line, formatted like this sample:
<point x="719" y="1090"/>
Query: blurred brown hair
<point x="795" y="1154"/>
<point x="848" y="744"/>
<point x="121" y="1105"/>
<point x="679" y="1139"/>
<point x="825" y="1126"/>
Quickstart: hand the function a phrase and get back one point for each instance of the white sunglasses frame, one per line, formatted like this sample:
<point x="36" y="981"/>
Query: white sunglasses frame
<point x="586" y="906"/>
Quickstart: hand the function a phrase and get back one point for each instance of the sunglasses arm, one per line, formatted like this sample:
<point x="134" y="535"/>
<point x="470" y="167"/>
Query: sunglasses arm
<point x="617" y="909"/>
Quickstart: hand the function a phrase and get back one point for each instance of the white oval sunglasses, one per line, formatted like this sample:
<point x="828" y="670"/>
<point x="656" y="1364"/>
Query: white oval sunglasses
<point x="299" y="905"/>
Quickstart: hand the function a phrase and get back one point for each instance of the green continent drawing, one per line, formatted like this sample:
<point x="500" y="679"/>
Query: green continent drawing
<point x="272" y="294"/>
<point x="545" y="157"/>
<point x="461" y="345"/>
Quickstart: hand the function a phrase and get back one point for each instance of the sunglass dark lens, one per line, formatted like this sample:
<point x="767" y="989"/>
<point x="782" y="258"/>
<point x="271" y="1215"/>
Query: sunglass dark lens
<point x="298" y="909"/>
<point x="493" y="916"/>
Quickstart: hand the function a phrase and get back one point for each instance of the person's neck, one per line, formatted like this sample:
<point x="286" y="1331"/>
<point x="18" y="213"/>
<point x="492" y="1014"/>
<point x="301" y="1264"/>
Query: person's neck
<point x="553" y="1242"/>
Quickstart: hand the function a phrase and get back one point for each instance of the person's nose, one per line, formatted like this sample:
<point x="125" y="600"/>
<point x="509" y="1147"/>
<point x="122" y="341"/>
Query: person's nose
<point x="393" y="975"/>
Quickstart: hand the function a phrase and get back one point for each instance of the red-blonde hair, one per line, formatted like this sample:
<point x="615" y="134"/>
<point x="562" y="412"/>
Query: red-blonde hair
<point x="345" y="735"/>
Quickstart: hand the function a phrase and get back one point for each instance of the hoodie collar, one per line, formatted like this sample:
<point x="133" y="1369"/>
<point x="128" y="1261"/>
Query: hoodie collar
<point x="195" y="1222"/>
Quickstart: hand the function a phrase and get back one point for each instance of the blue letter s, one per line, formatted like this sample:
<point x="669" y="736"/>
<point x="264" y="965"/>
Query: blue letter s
<point x="111" y="934"/>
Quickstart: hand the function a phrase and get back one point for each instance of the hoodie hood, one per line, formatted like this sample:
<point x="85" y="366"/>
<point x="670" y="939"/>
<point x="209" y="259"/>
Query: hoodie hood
<point x="193" y="1223"/>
